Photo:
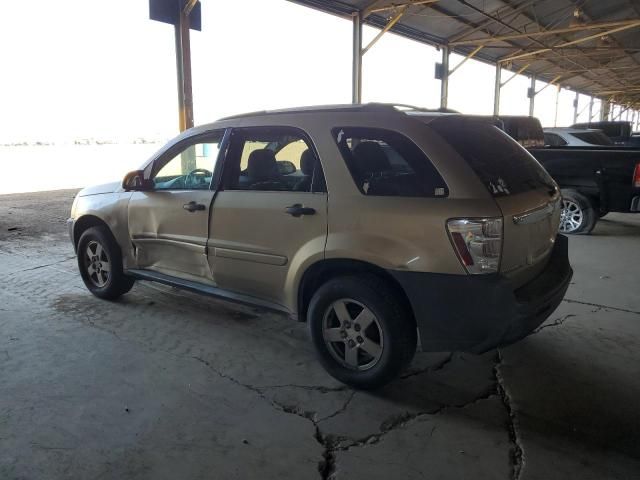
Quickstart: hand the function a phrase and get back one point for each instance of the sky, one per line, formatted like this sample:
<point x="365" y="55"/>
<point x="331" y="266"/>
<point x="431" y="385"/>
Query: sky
<point x="101" y="69"/>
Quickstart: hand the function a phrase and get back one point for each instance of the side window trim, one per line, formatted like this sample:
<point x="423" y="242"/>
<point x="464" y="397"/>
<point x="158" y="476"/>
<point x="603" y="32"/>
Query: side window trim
<point x="165" y="157"/>
<point x="232" y="148"/>
<point x="222" y="156"/>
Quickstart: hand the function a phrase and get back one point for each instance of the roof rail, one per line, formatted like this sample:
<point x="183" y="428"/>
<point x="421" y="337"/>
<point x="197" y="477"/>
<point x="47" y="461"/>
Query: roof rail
<point x="360" y="107"/>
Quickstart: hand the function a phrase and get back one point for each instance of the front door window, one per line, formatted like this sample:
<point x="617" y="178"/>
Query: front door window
<point x="190" y="169"/>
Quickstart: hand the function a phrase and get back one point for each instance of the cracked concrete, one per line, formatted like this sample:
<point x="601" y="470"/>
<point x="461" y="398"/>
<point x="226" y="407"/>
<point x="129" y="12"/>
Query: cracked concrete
<point x="167" y="384"/>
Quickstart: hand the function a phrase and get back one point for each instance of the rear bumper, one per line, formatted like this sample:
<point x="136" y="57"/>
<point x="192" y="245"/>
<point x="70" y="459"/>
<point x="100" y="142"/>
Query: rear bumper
<point x="476" y="313"/>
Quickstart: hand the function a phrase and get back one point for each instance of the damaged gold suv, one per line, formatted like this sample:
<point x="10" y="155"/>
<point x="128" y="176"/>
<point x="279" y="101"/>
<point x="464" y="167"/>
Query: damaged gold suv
<point x="381" y="228"/>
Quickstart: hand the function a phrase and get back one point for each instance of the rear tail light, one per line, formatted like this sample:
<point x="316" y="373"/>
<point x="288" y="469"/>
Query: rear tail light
<point x="636" y="176"/>
<point x="478" y="243"/>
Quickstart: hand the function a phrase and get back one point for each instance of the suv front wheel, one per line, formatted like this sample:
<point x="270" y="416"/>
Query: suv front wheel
<point x="362" y="333"/>
<point x="100" y="264"/>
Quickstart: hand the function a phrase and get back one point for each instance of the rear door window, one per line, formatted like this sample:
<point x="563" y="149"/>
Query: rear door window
<point x="273" y="159"/>
<point x="500" y="162"/>
<point x="386" y="163"/>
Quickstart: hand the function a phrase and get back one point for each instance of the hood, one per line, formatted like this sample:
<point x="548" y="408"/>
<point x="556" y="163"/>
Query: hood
<point x="98" y="189"/>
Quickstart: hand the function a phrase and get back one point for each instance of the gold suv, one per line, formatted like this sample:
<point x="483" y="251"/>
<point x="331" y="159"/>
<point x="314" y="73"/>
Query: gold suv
<point x="381" y="228"/>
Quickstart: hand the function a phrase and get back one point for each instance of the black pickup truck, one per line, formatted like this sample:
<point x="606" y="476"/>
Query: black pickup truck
<point x="594" y="180"/>
<point x="619" y="132"/>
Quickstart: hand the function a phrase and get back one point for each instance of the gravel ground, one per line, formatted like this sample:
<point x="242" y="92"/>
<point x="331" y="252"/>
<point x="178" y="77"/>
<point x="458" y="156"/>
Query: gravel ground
<point x="168" y="384"/>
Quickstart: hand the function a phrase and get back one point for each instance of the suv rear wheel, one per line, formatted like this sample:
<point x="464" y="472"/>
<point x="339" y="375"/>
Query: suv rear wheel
<point x="100" y="264"/>
<point x="578" y="216"/>
<point x="362" y="333"/>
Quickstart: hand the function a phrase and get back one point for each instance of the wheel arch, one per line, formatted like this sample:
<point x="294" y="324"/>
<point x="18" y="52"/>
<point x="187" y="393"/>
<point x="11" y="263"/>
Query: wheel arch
<point x="324" y="270"/>
<point x="85" y="222"/>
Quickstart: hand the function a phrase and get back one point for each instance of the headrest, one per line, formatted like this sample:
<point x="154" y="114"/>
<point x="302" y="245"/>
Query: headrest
<point x="370" y="157"/>
<point x="307" y="162"/>
<point x="262" y="164"/>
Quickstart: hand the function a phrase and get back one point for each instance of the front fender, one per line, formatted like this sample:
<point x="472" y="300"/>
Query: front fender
<point x="110" y="208"/>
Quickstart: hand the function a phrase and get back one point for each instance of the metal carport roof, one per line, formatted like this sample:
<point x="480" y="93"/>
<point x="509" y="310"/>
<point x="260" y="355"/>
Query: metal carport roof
<point x="589" y="46"/>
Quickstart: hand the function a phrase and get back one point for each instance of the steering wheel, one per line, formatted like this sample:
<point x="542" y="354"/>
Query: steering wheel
<point x="196" y="177"/>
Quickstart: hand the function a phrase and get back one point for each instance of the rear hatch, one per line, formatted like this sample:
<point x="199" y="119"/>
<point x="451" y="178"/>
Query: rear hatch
<point x="527" y="196"/>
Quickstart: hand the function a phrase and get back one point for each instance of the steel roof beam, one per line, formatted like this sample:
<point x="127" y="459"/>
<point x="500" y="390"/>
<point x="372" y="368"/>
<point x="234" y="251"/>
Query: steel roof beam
<point x="493" y="18"/>
<point x="401" y="11"/>
<point x="626" y="26"/>
<point x="375" y="8"/>
<point x="613" y="26"/>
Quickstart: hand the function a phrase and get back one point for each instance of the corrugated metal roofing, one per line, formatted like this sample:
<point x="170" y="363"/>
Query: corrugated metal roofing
<point x="602" y="61"/>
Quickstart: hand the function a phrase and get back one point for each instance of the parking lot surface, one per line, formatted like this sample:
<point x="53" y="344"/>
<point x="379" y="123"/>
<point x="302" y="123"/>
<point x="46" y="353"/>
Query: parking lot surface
<point x="168" y="384"/>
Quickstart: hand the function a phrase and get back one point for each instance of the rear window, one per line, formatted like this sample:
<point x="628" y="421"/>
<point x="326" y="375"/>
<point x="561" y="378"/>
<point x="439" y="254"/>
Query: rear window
<point x="525" y="130"/>
<point x="610" y="129"/>
<point x="501" y="163"/>
<point x="554" y="140"/>
<point x="594" y="138"/>
<point x="386" y="163"/>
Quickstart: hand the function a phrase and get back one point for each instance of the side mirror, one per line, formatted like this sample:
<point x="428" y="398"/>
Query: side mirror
<point x="135" y="181"/>
<point x="285" y="167"/>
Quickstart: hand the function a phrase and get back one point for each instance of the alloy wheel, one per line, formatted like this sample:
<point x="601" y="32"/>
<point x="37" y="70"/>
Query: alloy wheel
<point x="571" y="217"/>
<point x="97" y="263"/>
<point x="352" y="334"/>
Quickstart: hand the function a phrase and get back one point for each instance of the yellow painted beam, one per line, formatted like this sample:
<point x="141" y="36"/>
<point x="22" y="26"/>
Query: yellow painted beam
<point x="386" y="28"/>
<point x="623" y="24"/>
<point x="634" y="24"/>
<point x="471" y="55"/>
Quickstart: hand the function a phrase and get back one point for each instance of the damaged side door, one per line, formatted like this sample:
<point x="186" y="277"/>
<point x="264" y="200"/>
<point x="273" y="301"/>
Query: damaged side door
<point x="169" y="223"/>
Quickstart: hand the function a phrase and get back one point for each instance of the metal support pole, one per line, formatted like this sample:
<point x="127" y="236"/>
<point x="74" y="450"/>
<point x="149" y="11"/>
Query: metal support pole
<point x="532" y="95"/>
<point x="555" y="116"/>
<point x="591" y="109"/>
<point x="183" y="64"/>
<point x="604" y="110"/>
<point x="185" y="97"/>
<point x="575" y="108"/>
<point x="356" y="74"/>
<point x="496" y="91"/>
<point x="444" y="83"/>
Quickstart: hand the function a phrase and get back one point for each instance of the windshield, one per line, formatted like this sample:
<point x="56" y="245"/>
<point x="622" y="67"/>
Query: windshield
<point x="500" y="162"/>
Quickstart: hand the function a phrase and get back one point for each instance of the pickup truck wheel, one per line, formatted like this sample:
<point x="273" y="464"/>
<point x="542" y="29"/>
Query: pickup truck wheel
<point x="578" y="216"/>
<point x="100" y="264"/>
<point x="363" y="336"/>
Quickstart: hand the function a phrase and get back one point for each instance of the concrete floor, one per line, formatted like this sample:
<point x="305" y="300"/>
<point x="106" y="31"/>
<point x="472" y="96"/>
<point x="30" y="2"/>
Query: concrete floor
<point x="167" y="384"/>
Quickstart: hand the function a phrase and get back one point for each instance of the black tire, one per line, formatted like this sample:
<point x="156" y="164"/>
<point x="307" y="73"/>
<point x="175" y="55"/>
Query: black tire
<point x="110" y="284"/>
<point x="394" y="324"/>
<point x="578" y="214"/>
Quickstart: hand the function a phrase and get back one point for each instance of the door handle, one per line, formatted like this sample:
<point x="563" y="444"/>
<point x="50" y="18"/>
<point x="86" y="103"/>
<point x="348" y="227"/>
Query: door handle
<point x="193" y="206"/>
<point x="298" y="210"/>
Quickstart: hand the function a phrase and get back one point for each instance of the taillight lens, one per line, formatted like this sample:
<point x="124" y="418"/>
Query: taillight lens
<point x="636" y="176"/>
<point x="478" y="243"/>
